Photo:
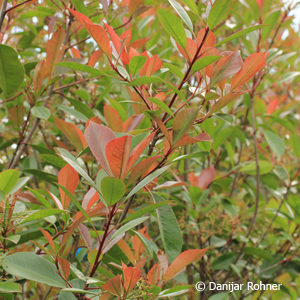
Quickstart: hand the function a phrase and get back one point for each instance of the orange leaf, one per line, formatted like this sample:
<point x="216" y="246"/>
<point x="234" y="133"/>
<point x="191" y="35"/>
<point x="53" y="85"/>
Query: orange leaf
<point x="75" y="52"/>
<point x="113" y="118"/>
<point x="132" y="122"/>
<point x="138" y="150"/>
<point x="96" y="31"/>
<point x="114" y="285"/>
<point x="186" y="140"/>
<point x="68" y="178"/>
<point x="153" y="275"/>
<point x="152" y="65"/>
<point x="190" y="49"/>
<point x="205" y="178"/>
<point x="182" y="260"/>
<point x="131" y="277"/>
<point x="125" y="248"/>
<point x="95" y="57"/>
<point x="65" y="266"/>
<point x="114" y="37"/>
<point x="272" y="106"/>
<point x="48" y="238"/>
<point x="117" y="152"/>
<point x="134" y="5"/>
<point x="72" y="132"/>
<point x="251" y="66"/>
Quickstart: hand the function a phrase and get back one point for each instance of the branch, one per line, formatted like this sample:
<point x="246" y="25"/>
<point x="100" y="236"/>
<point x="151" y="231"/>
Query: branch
<point x="17" y="5"/>
<point x="3" y="13"/>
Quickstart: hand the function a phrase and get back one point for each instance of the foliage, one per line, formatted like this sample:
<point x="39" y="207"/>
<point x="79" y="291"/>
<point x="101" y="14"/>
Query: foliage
<point x="147" y="145"/>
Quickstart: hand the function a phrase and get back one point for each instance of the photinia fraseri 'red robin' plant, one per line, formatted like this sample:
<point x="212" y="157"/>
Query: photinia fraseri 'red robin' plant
<point x="156" y="138"/>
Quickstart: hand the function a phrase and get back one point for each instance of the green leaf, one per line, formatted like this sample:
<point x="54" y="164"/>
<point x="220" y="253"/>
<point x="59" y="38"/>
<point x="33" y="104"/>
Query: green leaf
<point x="136" y="64"/>
<point x="143" y="211"/>
<point x="128" y="226"/>
<point x="41" y="112"/>
<point x="79" y="67"/>
<point x="8" y="179"/>
<point x="191" y="5"/>
<point x="161" y="105"/>
<point x="32" y="267"/>
<point x="81" y="107"/>
<point x="40" y="214"/>
<point x="113" y="189"/>
<point x="169" y="230"/>
<point x="182" y="14"/>
<point x="10" y="287"/>
<point x="224" y="261"/>
<point x="204" y="62"/>
<point x="265" y="254"/>
<point x="270" y="21"/>
<point x="73" y="112"/>
<point x="218" y="12"/>
<point x="250" y="167"/>
<point x="53" y="160"/>
<point x="174" y="291"/>
<point x="146" y="180"/>
<point x="275" y="142"/>
<point x="239" y="34"/>
<point x="173" y="26"/>
<point x="11" y="71"/>
<point x="145" y="80"/>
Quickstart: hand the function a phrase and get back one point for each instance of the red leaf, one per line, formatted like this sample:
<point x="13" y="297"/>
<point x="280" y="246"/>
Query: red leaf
<point x="96" y="31"/>
<point x="113" y="118"/>
<point x="182" y="260"/>
<point x="186" y="140"/>
<point x="90" y="198"/>
<point x="84" y="232"/>
<point x="117" y="152"/>
<point x="132" y="122"/>
<point x="138" y="150"/>
<point x="153" y="276"/>
<point x="68" y="178"/>
<point x="131" y="277"/>
<point x="95" y="57"/>
<point x="114" y="285"/>
<point x="134" y="5"/>
<point x="65" y="266"/>
<point x="251" y="66"/>
<point x="210" y="40"/>
<point x="190" y="49"/>
<point x="48" y="238"/>
<point x="72" y="132"/>
<point x="75" y="52"/>
<point x="152" y="65"/>
<point x="114" y="37"/>
<point x="226" y="66"/>
<point x="125" y="248"/>
<point x="205" y="178"/>
<point x="272" y="106"/>
<point x="97" y="137"/>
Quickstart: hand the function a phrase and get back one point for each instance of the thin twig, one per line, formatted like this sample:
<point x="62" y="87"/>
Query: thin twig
<point x="3" y="13"/>
<point x="17" y="5"/>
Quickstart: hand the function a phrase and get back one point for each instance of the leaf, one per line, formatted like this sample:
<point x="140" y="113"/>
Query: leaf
<point x="8" y="179"/>
<point x="113" y="189"/>
<point x="183" y="120"/>
<point x="226" y="66"/>
<point x="218" y="12"/>
<point x="113" y="118"/>
<point x="145" y="80"/>
<point x="96" y="31"/>
<point x="136" y="64"/>
<point x="41" y="112"/>
<point x="11" y="71"/>
<point x="175" y="291"/>
<point x="48" y="238"/>
<point x="97" y="137"/>
<point x="73" y="133"/>
<point x="169" y="230"/>
<point x="275" y="142"/>
<point x="262" y="253"/>
<point x="131" y="276"/>
<point x="173" y="26"/>
<point x="40" y="214"/>
<point x="161" y="105"/>
<point x="182" y="14"/>
<point x="182" y="260"/>
<point x="239" y="34"/>
<point x="128" y="226"/>
<point x="68" y="178"/>
<point x="270" y="21"/>
<point x="143" y="211"/>
<point x="33" y="267"/>
<point x="147" y="180"/>
<point x="10" y="287"/>
<point x="250" y="167"/>
<point x="251" y="66"/>
<point x="152" y="65"/>
<point x="206" y="177"/>
<point x="117" y="152"/>
<point x="224" y="261"/>
<point x="80" y="67"/>
<point x="204" y="62"/>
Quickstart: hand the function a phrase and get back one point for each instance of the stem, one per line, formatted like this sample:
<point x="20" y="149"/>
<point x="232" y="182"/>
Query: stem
<point x="3" y="13"/>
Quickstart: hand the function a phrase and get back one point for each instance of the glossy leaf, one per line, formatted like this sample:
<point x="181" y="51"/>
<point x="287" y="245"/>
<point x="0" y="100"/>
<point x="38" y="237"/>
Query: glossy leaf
<point x="218" y="12"/>
<point x="8" y="179"/>
<point x="136" y="64"/>
<point x="203" y="62"/>
<point x="182" y="13"/>
<point x="113" y="189"/>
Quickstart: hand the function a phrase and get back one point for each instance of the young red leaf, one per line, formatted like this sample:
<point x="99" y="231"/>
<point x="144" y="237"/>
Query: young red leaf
<point x="113" y="118"/>
<point x="97" y="137"/>
<point x="153" y="276"/>
<point x="114" y="37"/>
<point x="182" y="260"/>
<point x="96" y="31"/>
<point x="75" y="52"/>
<point x="131" y="277"/>
<point x="65" y="266"/>
<point x="226" y="66"/>
<point x="205" y="178"/>
<point x="186" y="140"/>
<point x="95" y="57"/>
<point x="127" y="251"/>
<point x="114" y="285"/>
<point x="132" y="122"/>
<point x="251" y="66"/>
<point x="272" y="106"/>
<point x="90" y="198"/>
<point x="84" y="232"/>
<point x="73" y="133"/>
<point x="68" y="178"/>
<point x="48" y="238"/>
<point x="152" y="65"/>
<point x="117" y="152"/>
